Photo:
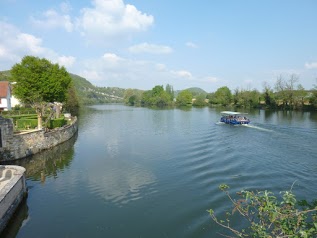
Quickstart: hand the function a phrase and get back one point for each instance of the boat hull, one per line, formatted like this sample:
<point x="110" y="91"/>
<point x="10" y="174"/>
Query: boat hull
<point x="235" y="122"/>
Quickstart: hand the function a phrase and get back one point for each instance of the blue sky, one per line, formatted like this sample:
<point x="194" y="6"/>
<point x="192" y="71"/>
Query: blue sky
<point x="142" y="43"/>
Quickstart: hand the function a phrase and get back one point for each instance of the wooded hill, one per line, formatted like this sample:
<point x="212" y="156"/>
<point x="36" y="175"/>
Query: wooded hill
<point x="90" y="94"/>
<point x="194" y="91"/>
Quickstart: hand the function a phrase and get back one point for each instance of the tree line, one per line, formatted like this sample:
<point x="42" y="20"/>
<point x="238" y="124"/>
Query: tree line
<point x="157" y="96"/>
<point x="286" y="94"/>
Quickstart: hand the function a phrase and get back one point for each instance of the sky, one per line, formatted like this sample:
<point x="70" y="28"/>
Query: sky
<point x="141" y="43"/>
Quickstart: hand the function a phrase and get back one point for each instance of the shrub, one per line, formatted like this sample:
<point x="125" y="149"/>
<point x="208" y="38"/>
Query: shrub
<point x="26" y="123"/>
<point x="57" y="123"/>
<point x="268" y="217"/>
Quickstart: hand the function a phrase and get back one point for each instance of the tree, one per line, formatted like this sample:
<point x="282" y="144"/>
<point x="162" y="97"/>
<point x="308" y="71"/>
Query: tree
<point x="156" y="97"/>
<point x="200" y="101"/>
<point x="39" y="82"/>
<point x="268" y="95"/>
<point x="313" y="98"/>
<point x="285" y="90"/>
<point x="300" y="95"/>
<point x="184" y="98"/>
<point x="222" y="96"/>
<point x="170" y="91"/>
<point x="265" y="216"/>
<point x="72" y="102"/>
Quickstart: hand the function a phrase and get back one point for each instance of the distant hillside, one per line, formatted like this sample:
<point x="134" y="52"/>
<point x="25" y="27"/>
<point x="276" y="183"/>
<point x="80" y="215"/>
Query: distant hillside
<point x="5" y="75"/>
<point x="195" y="92"/>
<point x="90" y="94"/>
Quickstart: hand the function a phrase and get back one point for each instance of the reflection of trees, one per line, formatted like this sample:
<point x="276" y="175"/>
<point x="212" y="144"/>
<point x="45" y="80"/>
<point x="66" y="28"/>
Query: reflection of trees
<point x="49" y="162"/>
<point x="14" y="225"/>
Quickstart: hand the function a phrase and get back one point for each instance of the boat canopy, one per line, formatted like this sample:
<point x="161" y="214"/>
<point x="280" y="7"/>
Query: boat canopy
<point x="230" y="113"/>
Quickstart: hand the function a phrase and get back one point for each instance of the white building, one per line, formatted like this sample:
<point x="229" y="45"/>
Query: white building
<point x="7" y="100"/>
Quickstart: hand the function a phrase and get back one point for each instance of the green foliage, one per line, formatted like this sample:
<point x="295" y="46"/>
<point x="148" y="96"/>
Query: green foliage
<point x="170" y="91"/>
<point x="194" y="91"/>
<point x="222" y="96"/>
<point x="267" y="216"/>
<point x="200" y="101"/>
<point x="132" y="96"/>
<point x="184" y="98"/>
<point x="246" y="98"/>
<point x="156" y="97"/>
<point x="38" y="80"/>
<point x="72" y="103"/>
<point x="268" y="96"/>
<point x="57" y="123"/>
<point x="90" y="94"/>
<point x="5" y="75"/>
<point x="26" y="123"/>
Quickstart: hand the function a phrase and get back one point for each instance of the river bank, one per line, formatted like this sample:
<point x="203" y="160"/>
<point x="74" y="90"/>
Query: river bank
<point x="16" y="146"/>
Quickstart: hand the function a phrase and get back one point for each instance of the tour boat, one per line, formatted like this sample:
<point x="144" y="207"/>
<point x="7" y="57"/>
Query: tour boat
<point x="234" y="118"/>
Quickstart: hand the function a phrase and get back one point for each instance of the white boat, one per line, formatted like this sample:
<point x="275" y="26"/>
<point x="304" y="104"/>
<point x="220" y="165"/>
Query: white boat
<point x="234" y="118"/>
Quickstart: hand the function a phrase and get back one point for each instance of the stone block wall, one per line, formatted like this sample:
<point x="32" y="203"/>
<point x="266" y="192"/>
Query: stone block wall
<point x="11" y="193"/>
<point x="16" y="146"/>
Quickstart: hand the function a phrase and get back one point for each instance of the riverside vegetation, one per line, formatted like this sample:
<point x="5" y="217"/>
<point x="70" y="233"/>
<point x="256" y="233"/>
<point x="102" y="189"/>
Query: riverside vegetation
<point x="266" y="216"/>
<point x="286" y="94"/>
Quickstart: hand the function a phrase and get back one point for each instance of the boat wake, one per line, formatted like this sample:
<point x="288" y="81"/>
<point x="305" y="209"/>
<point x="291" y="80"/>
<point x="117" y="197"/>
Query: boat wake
<point x="257" y="127"/>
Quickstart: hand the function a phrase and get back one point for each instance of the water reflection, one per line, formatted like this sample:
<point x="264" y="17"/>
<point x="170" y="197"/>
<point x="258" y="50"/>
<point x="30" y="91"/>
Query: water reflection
<point x="121" y="182"/>
<point x="48" y="162"/>
<point x="19" y="218"/>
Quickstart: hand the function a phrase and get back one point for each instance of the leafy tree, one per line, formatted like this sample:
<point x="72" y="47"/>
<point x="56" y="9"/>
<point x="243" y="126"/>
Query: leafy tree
<point x="146" y="97"/>
<point x="222" y="96"/>
<point x="72" y="103"/>
<point x="200" y="101"/>
<point x="132" y="96"/>
<point x="268" y="95"/>
<point x="299" y="96"/>
<point x="313" y="98"/>
<point x="184" y="98"/>
<point x="157" y="90"/>
<point x="39" y="82"/>
<point x="156" y="97"/>
<point x="285" y="91"/>
<point x="246" y="98"/>
<point x="266" y="216"/>
<point x="170" y="91"/>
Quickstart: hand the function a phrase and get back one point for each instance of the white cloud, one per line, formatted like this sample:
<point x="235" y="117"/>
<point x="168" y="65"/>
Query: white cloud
<point x="150" y="48"/>
<point x="183" y="74"/>
<point x="30" y="43"/>
<point x="161" y="67"/>
<point x="90" y="75"/>
<point x="191" y="45"/>
<point x="111" y="58"/>
<point x="66" y="61"/>
<point x="51" y="19"/>
<point x="312" y="65"/>
<point x="109" y="18"/>
<point x="14" y="45"/>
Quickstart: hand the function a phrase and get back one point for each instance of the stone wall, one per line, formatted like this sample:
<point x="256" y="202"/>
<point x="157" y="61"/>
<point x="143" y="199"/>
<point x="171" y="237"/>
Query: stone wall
<point x="13" y="190"/>
<point x="16" y="146"/>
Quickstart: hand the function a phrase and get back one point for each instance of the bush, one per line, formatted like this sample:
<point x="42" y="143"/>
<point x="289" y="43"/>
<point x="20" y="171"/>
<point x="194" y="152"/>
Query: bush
<point x="57" y="123"/>
<point x="24" y="123"/>
<point x="268" y="217"/>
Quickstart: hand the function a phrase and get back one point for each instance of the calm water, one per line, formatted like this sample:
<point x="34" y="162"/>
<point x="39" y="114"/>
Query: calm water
<point x="138" y="172"/>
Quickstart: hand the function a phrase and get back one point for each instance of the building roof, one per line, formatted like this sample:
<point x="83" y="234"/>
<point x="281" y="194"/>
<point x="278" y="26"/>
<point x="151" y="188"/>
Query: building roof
<point x="4" y="87"/>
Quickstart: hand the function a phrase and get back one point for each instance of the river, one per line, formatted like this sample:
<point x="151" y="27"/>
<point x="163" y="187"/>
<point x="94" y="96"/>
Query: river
<point x="139" y="172"/>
